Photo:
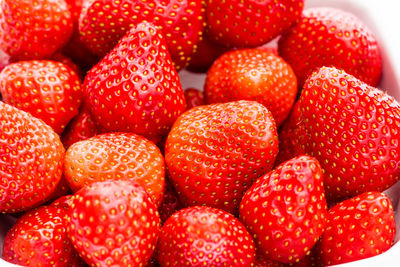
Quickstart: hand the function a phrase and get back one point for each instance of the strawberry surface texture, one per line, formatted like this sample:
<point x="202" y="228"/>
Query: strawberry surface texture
<point x="212" y="133"/>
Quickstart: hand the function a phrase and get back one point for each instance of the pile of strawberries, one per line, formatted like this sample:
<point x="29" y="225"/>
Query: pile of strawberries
<point x="105" y="160"/>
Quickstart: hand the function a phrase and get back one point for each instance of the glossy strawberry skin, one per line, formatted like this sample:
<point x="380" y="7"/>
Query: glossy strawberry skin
<point x="204" y="236"/>
<point x="331" y="37"/>
<point x="285" y="210"/>
<point x="81" y="127"/>
<point x="353" y="130"/>
<point x="358" y="228"/>
<point x="113" y="223"/>
<point x="48" y="90"/>
<point x="180" y="20"/>
<point x="250" y="23"/>
<point x="194" y="98"/>
<point x="33" y="29"/>
<point x="116" y="156"/>
<point x="253" y="74"/>
<point x="31" y="161"/>
<point x="215" y="152"/>
<point x="135" y="88"/>
<point x="39" y="238"/>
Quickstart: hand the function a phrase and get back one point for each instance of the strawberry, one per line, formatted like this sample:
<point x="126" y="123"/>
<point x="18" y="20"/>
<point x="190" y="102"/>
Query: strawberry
<point x="81" y="127"/>
<point x="113" y="223"/>
<point x="353" y="130"/>
<point x="194" y="98"/>
<point x="135" y="88"/>
<point x="206" y="53"/>
<point x="5" y="59"/>
<point x="204" y="236"/>
<point x="215" y="152"/>
<point x="48" y="90"/>
<point x="61" y="190"/>
<point x="39" y="238"/>
<point x="288" y="137"/>
<point x="253" y="74"/>
<point x="170" y="203"/>
<point x="358" y="228"/>
<point x="116" y="156"/>
<point x="180" y="20"/>
<point x="31" y="160"/>
<point x="331" y="37"/>
<point x="250" y="23"/>
<point x="33" y="29"/>
<point x="285" y="210"/>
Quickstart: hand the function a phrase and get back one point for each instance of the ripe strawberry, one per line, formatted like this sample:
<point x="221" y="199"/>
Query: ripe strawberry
<point x="331" y="37"/>
<point x="194" y="98"/>
<point x="215" y="152"/>
<point x="285" y="210"/>
<point x="33" y="29"/>
<point x="39" y="238"/>
<point x="135" y="88"/>
<point x="104" y="22"/>
<point x="30" y="162"/>
<point x="353" y="130"/>
<point x="113" y="223"/>
<point x="358" y="228"/>
<point x="253" y="74"/>
<point x="116" y="156"/>
<point x="206" y="53"/>
<point x="204" y="236"/>
<point x="5" y="59"/>
<point x="170" y="203"/>
<point x="288" y="137"/>
<point x="48" y="90"/>
<point x="250" y="23"/>
<point x="81" y="127"/>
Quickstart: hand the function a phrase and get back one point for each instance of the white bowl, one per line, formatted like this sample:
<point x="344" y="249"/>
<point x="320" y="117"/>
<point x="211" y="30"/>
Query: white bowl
<point x="383" y="19"/>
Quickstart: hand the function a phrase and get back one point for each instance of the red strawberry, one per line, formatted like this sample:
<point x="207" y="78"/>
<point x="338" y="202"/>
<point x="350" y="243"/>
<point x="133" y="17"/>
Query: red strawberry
<point x="48" y="90"/>
<point x="358" y="228"/>
<point x="206" y="53"/>
<point x="288" y="137"/>
<point x="39" y="238"/>
<point x="170" y="203"/>
<point x="215" y="152"/>
<point x="113" y="223"/>
<point x="81" y="127"/>
<point x="331" y="37"/>
<point x="353" y="130"/>
<point x="253" y="74"/>
<point x="285" y="210"/>
<point x="250" y="23"/>
<point x="33" y="29"/>
<point x="31" y="160"/>
<point x="204" y="236"/>
<point x="135" y="88"/>
<point x="104" y="22"/>
<point x="194" y="98"/>
<point x="116" y="156"/>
